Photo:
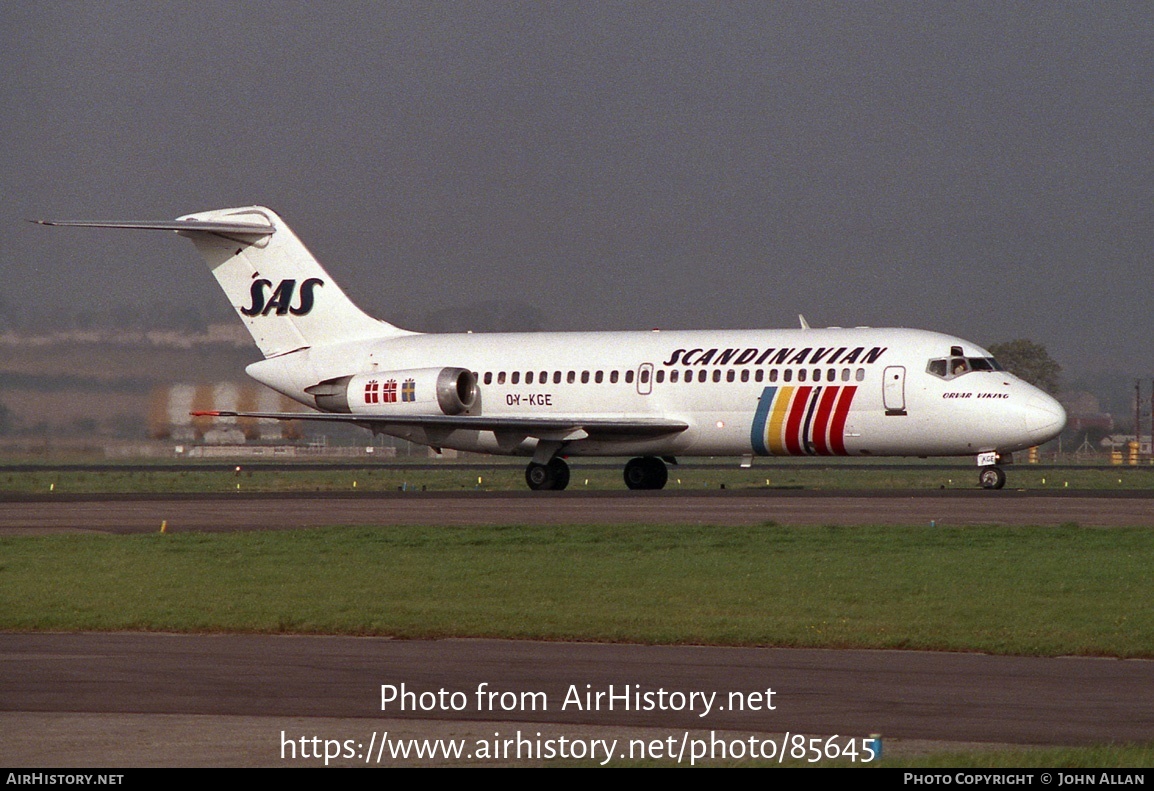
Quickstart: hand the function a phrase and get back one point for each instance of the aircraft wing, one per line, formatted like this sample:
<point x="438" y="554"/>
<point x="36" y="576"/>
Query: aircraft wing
<point x="564" y="428"/>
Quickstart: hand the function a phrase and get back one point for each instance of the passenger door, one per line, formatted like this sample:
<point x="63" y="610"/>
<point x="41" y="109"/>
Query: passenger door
<point x="894" y="389"/>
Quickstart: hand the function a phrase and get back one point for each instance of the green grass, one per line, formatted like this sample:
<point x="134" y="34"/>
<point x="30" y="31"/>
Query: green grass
<point x="1026" y="591"/>
<point x="585" y="476"/>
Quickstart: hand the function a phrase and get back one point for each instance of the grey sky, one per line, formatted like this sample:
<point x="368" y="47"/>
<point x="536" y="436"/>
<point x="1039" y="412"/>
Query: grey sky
<point x="983" y="169"/>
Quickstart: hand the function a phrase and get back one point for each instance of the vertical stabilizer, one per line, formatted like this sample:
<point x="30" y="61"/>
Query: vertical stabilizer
<point x="280" y="292"/>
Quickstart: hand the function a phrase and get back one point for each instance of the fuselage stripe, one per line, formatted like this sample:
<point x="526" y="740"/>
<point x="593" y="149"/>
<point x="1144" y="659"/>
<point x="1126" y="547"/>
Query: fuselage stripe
<point x="821" y="428"/>
<point x="806" y="437"/>
<point x="796" y="414"/>
<point x="802" y="420"/>
<point x="841" y="412"/>
<point x="757" y="435"/>
<point x="780" y="409"/>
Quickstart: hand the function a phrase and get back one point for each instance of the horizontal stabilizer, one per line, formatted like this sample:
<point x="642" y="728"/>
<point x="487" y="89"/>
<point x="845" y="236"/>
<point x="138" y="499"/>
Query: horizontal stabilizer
<point x="285" y="298"/>
<point x="243" y="228"/>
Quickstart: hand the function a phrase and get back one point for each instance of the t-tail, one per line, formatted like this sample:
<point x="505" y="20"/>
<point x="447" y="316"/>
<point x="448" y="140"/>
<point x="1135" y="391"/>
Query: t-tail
<point x="284" y="297"/>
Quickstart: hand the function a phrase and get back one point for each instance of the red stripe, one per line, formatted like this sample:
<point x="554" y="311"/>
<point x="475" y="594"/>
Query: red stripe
<point x="837" y="427"/>
<point x="796" y="415"/>
<point x="822" y="420"/>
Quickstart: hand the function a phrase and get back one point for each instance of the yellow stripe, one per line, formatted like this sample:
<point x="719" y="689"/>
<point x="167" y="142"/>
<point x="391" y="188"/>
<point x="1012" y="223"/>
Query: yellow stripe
<point x="777" y="419"/>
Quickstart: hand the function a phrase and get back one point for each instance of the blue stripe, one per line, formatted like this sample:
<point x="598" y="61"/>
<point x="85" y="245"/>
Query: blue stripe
<point x="757" y="433"/>
<point x="806" y="437"/>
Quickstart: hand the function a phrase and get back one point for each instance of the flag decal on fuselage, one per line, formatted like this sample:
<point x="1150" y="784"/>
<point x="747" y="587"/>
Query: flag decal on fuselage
<point x="801" y="421"/>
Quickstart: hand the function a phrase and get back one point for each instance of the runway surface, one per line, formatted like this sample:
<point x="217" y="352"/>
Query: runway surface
<point x="148" y="699"/>
<point x="144" y="513"/>
<point x="330" y="685"/>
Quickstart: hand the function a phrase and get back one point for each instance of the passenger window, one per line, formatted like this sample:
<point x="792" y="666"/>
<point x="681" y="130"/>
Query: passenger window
<point x="488" y="377"/>
<point x="845" y="374"/>
<point x="773" y="375"/>
<point x="515" y="377"/>
<point x="787" y="375"/>
<point x="860" y="374"/>
<point x="644" y="376"/>
<point x="801" y="375"/>
<point x="544" y="377"/>
<point x="817" y="374"/>
<point x="673" y="376"/>
<point x="528" y="377"/>
<point x="730" y="375"/>
<point x="571" y="377"/>
<point x="556" y="377"/>
<point x="613" y="377"/>
<point x="629" y="377"/>
<point x="660" y="376"/>
<point x="745" y="375"/>
<point x="501" y="378"/>
<point x="758" y="375"/>
<point x="584" y="377"/>
<point x="599" y="377"/>
<point x="831" y="375"/>
<point x="688" y="375"/>
<point x="701" y="375"/>
<point x="717" y="375"/>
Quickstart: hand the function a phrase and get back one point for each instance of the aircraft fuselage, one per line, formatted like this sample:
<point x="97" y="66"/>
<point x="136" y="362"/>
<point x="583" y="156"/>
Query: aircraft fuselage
<point x="857" y="392"/>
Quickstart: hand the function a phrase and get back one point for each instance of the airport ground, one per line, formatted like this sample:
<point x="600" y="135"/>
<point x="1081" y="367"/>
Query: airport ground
<point x="131" y="699"/>
<point x="145" y="513"/>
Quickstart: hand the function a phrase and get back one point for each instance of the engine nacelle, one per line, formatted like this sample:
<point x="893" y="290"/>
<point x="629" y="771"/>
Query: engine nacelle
<point x="416" y="391"/>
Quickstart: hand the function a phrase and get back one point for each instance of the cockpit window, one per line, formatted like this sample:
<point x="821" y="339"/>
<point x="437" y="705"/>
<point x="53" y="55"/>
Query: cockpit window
<point x="953" y="367"/>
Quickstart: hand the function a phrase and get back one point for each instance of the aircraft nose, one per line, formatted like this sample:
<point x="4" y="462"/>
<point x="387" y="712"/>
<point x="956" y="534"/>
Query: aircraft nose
<point x="1045" y="418"/>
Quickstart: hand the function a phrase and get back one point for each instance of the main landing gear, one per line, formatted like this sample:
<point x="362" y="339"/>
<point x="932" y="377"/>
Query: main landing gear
<point x="646" y="472"/>
<point x="553" y="476"/>
<point x="992" y="477"/>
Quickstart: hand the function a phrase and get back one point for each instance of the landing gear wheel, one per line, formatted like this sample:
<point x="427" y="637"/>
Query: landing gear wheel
<point x="539" y="477"/>
<point x="635" y="474"/>
<point x="646" y="472"/>
<point x="560" y="472"/>
<point x="992" y="477"/>
<point x="553" y="476"/>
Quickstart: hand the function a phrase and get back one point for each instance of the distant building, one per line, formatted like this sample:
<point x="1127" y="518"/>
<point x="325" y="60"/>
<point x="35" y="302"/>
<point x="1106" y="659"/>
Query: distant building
<point x="170" y="416"/>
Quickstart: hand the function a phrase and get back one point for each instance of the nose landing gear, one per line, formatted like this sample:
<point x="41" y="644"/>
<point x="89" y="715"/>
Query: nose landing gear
<point x="991" y="477"/>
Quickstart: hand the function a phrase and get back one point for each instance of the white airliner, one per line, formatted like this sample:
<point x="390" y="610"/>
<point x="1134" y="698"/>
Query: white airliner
<point x="652" y="395"/>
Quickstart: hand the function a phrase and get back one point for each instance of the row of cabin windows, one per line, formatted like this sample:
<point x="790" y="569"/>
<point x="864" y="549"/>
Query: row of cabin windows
<point x="690" y="375"/>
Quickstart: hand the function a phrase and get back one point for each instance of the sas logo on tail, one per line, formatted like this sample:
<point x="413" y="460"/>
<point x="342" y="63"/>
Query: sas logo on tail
<point x="281" y="298"/>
